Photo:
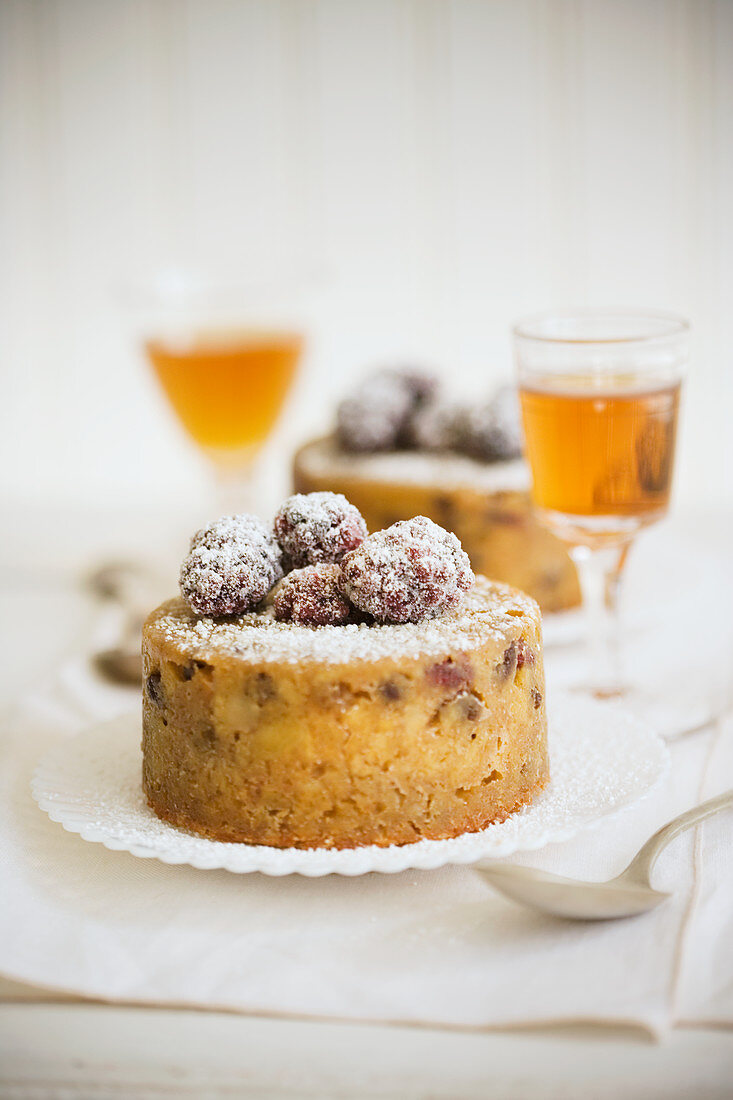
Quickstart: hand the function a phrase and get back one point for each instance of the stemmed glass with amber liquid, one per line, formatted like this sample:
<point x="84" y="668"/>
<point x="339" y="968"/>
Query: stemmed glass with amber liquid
<point x="225" y="355"/>
<point x="600" y="396"/>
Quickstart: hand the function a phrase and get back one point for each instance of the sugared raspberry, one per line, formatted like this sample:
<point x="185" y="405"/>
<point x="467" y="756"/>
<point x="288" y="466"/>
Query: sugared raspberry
<point x="492" y="431"/>
<point x="232" y="564"/>
<point x="311" y="596"/>
<point x="375" y="418"/>
<point x="423" y="387"/>
<point x="434" y="427"/>
<point x="318" y="527"/>
<point x="412" y="571"/>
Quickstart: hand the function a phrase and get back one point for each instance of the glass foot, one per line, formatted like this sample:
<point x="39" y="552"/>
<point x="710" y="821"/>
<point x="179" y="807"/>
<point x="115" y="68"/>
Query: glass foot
<point x="672" y="716"/>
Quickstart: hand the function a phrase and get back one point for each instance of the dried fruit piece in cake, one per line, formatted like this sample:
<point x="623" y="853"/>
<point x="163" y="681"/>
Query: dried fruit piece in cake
<point x="375" y="418"/>
<point x="492" y="431"/>
<point x="232" y="564"/>
<point x="413" y="570"/>
<point x="311" y="596"/>
<point x="318" y="527"/>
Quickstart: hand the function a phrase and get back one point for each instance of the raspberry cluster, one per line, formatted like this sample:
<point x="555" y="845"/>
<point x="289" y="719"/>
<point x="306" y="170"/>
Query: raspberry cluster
<point x="234" y="562"/>
<point x="336" y="573"/>
<point x="396" y="409"/>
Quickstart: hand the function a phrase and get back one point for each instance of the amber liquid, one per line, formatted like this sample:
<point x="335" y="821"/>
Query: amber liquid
<point x="228" y="388"/>
<point x="601" y="450"/>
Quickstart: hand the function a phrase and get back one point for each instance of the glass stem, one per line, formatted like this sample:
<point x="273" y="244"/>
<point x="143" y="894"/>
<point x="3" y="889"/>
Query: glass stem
<point x="234" y="490"/>
<point x="599" y="570"/>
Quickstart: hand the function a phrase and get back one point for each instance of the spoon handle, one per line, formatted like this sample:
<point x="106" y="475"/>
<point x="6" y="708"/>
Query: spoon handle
<point x="641" y="866"/>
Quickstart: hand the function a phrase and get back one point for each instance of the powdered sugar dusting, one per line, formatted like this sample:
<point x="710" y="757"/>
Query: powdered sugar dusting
<point x="488" y="609"/>
<point x="324" y="458"/>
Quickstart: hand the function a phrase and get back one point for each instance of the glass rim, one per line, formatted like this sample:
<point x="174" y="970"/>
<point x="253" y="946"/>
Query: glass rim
<point x="672" y="325"/>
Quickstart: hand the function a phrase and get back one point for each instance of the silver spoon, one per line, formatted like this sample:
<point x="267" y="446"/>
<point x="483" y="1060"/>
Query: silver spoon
<point x="134" y="589"/>
<point x="624" y="896"/>
<point x="119" y="666"/>
<point x="123" y="664"/>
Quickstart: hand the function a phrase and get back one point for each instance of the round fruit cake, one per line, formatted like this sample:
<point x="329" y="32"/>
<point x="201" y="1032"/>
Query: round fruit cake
<point x="486" y="504"/>
<point x="278" y="733"/>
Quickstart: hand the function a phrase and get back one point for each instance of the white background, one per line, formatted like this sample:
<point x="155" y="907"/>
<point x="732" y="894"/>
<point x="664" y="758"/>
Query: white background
<point x="443" y="166"/>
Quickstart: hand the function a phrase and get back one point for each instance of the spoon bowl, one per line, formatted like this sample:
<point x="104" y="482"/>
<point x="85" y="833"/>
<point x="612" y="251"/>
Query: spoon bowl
<point x="567" y="897"/>
<point x="119" y="666"/>
<point x="627" y="895"/>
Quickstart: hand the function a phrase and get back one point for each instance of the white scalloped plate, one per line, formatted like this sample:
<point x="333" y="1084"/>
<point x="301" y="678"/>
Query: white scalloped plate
<point x="601" y="760"/>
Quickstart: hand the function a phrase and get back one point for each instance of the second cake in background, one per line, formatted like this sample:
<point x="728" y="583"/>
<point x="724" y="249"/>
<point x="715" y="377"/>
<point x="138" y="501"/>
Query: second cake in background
<point x="399" y="450"/>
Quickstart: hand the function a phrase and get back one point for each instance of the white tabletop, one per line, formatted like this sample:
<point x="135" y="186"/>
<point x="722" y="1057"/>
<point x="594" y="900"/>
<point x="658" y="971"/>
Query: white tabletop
<point x="52" y="1045"/>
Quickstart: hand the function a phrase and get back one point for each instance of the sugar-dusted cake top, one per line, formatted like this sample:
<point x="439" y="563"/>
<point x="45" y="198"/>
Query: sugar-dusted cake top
<point x="489" y="608"/>
<point x="325" y="458"/>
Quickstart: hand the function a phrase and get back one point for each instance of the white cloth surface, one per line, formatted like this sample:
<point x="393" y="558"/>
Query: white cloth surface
<point x="436" y="947"/>
<point x="705" y="988"/>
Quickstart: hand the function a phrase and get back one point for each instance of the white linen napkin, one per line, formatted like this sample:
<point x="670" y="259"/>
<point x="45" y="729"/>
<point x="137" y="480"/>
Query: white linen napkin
<point x="704" y="994"/>
<point x="433" y="947"/>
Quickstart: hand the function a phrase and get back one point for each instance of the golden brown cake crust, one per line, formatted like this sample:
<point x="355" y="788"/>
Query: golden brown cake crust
<point x="487" y="505"/>
<point x="276" y="734"/>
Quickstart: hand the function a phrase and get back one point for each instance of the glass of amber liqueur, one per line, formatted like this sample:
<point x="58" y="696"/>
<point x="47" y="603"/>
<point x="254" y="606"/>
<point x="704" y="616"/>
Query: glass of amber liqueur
<point x="600" y="394"/>
<point x="225" y="352"/>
